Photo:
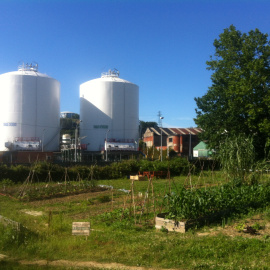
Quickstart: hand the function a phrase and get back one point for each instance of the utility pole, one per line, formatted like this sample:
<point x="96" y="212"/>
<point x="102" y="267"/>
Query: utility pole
<point x="161" y="117"/>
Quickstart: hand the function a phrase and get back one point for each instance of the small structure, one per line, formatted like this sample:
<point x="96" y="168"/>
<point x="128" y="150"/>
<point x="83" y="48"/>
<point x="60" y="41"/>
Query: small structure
<point x="202" y="150"/>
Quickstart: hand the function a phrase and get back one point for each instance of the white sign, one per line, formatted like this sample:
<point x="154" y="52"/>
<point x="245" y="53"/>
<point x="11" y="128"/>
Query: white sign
<point x="81" y="228"/>
<point x="11" y="124"/>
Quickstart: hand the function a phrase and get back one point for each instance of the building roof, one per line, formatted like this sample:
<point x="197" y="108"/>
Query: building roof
<point x="201" y="146"/>
<point x="174" y="131"/>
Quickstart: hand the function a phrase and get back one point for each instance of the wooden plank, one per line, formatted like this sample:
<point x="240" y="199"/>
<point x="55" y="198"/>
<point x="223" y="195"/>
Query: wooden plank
<point x="137" y="177"/>
<point x="81" y="228"/>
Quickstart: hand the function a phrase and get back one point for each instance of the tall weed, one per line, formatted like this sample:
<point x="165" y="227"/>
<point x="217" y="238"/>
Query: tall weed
<point x="237" y="157"/>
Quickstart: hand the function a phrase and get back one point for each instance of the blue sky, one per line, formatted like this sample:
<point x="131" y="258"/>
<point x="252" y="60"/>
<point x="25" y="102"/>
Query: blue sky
<point x="162" y="46"/>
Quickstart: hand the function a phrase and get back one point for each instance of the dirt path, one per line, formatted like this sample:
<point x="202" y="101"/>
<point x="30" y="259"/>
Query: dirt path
<point x="65" y="263"/>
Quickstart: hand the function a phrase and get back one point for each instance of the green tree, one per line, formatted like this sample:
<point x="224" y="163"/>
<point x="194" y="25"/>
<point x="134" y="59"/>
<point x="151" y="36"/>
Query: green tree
<point x="144" y="125"/>
<point x="238" y="100"/>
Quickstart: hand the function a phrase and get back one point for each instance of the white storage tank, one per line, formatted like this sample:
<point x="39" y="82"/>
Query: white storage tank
<point x="109" y="107"/>
<point x="29" y="110"/>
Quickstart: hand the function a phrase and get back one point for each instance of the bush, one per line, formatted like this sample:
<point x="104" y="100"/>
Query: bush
<point x="45" y="172"/>
<point x="177" y="166"/>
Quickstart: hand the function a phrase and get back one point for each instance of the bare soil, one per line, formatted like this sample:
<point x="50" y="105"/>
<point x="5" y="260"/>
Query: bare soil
<point x="263" y="233"/>
<point x="65" y="263"/>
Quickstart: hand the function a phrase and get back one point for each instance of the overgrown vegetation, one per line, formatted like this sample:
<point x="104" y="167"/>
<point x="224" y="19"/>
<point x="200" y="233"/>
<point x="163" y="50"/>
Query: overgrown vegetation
<point x="237" y="157"/>
<point x="44" y="172"/>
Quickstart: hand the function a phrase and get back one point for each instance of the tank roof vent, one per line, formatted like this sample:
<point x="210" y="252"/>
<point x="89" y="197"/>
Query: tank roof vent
<point x="110" y="73"/>
<point x="28" y="67"/>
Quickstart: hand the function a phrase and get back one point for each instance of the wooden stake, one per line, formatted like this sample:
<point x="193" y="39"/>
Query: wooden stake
<point x="133" y="201"/>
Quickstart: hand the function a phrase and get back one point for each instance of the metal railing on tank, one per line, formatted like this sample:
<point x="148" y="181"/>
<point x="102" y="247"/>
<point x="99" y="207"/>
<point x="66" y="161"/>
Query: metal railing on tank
<point x="28" y="67"/>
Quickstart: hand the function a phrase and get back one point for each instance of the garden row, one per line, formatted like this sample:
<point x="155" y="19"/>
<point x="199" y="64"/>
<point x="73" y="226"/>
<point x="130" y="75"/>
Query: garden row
<point x="216" y="202"/>
<point x="46" y="191"/>
<point x="44" y="172"/>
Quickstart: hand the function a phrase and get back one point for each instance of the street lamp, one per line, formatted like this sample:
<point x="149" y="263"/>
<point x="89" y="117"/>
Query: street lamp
<point x="161" y="117"/>
<point x="106" y="145"/>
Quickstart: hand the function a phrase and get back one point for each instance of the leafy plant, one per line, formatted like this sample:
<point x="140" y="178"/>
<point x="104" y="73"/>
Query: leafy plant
<point x="240" y="227"/>
<point x="256" y="226"/>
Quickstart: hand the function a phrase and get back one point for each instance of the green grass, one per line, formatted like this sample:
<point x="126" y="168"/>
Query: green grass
<point x="13" y="265"/>
<point x="116" y="238"/>
<point x="153" y="249"/>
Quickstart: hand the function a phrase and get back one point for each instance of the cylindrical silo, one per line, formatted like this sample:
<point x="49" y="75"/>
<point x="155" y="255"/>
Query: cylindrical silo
<point x="109" y="108"/>
<point x="29" y="110"/>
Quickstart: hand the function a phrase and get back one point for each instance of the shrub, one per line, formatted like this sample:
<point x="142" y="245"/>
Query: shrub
<point x="177" y="166"/>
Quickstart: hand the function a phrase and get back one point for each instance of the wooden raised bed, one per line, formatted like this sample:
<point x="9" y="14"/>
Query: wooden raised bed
<point x="170" y="225"/>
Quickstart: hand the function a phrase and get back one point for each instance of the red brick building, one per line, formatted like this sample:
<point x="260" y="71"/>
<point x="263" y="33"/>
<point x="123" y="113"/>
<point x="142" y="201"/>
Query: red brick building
<point x="181" y="140"/>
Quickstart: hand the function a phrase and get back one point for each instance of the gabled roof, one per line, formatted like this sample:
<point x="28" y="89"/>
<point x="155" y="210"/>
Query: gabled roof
<point x="175" y="131"/>
<point x="201" y="146"/>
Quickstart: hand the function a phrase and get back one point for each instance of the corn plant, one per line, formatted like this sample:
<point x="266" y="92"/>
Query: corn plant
<point x="237" y="157"/>
<point x="220" y="202"/>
